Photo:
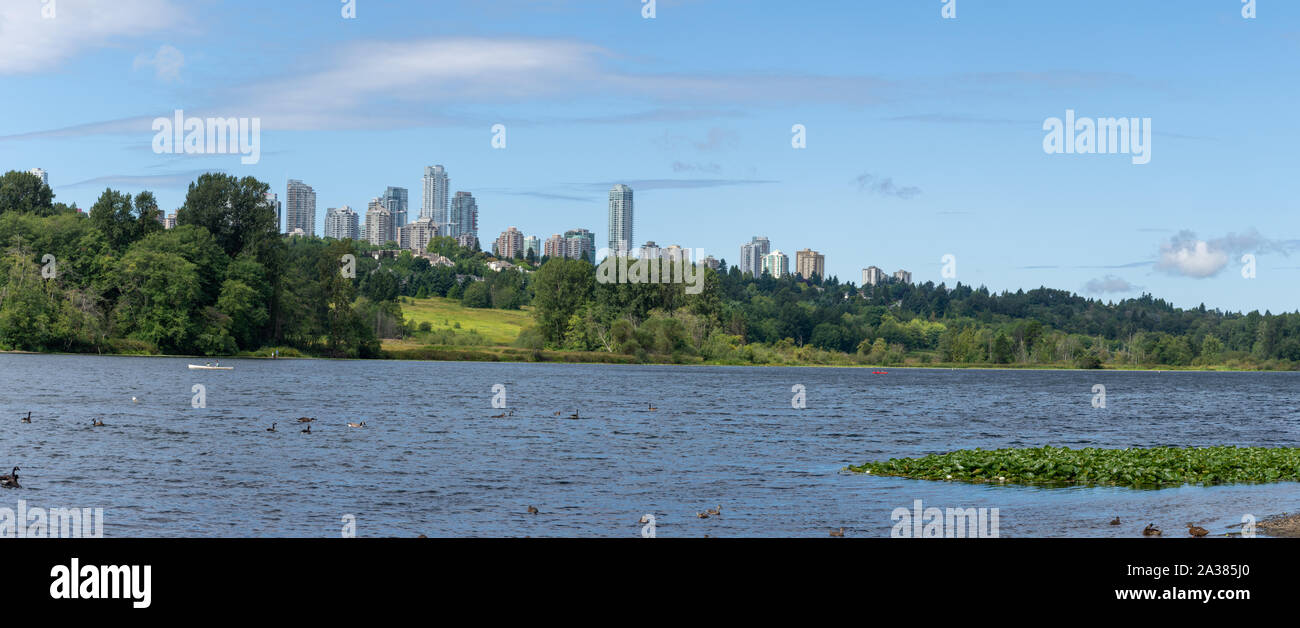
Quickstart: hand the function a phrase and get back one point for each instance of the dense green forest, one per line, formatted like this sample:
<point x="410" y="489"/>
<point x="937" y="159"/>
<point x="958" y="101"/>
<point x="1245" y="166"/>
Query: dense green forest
<point x="224" y="282"/>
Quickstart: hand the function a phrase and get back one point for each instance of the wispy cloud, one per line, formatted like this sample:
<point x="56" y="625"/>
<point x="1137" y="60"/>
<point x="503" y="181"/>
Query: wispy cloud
<point x="1186" y="255"/>
<point x="885" y="186"/>
<point x="167" y="62"/>
<point x="157" y="181"/>
<point x="31" y="43"/>
<point x="685" y="167"/>
<point x="678" y="184"/>
<point x="1110" y="284"/>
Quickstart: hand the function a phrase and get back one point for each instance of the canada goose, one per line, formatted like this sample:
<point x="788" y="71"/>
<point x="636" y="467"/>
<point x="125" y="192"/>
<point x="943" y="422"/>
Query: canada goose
<point x="839" y="532"/>
<point x="574" y="415"/>
<point x="96" y="423"/>
<point x="272" y="428"/>
<point x="305" y="420"/>
<point x="11" y="480"/>
<point x="361" y="424"/>
<point x="1150" y="530"/>
<point x="650" y="407"/>
<point x="28" y="418"/>
<point x="1114" y="521"/>
<point x="1196" y="530"/>
<point x="307" y="430"/>
<point x="532" y="510"/>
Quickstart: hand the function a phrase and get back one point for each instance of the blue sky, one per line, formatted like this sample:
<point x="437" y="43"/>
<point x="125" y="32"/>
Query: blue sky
<point x="924" y="134"/>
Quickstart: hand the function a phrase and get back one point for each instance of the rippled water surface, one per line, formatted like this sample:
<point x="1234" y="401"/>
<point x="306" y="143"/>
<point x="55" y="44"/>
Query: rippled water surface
<point x="431" y="461"/>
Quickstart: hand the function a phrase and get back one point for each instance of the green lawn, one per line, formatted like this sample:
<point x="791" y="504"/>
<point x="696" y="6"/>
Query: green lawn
<point x="500" y="327"/>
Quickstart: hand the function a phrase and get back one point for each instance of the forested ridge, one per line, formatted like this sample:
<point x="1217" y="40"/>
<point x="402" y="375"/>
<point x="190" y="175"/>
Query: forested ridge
<point x="225" y="282"/>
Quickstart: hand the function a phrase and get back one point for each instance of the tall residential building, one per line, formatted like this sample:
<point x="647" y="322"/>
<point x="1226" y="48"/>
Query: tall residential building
<point x="273" y="200"/>
<point x="872" y="276"/>
<point x="436" y="186"/>
<point x="379" y="223"/>
<point x="620" y="219"/>
<point x="510" y="244"/>
<point x="170" y="221"/>
<point x="341" y="223"/>
<point x="467" y="240"/>
<point x="462" y="218"/>
<point x="649" y="250"/>
<point x="553" y="247"/>
<point x="533" y="244"/>
<point x="903" y="276"/>
<point x="751" y="255"/>
<point x="40" y="172"/>
<point x="300" y="208"/>
<point x="395" y="201"/>
<point x="582" y="243"/>
<point x="808" y="263"/>
<point x="776" y="264"/>
<point x="416" y="235"/>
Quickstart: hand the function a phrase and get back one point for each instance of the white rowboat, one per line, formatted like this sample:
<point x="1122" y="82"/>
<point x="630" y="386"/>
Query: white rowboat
<point x="201" y="367"/>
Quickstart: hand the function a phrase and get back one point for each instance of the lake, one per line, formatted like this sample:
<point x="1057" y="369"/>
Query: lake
<point x="431" y="460"/>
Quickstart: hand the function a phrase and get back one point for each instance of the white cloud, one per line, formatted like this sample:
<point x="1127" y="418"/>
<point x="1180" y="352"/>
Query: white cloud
<point x="167" y="62"/>
<point x="1185" y="254"/>
<point x="1109" y="284"/>
<point x="31" y="43"/>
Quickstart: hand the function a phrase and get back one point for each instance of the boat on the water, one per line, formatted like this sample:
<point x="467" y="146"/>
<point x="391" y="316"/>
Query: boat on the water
<point x="211" y="367"/>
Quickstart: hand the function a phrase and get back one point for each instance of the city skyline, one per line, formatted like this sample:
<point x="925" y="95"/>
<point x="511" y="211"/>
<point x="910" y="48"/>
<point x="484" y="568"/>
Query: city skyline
<point x="907" y="159"/>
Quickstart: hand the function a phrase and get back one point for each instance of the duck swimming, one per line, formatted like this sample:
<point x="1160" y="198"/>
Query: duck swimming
<point x="1150" y="530"/>
<point x="1115" y="521"/>
<point x="11" y="480"/>
<point x="839" y="532"/>
<point x="532" y="510"/>
<point x="96" y="423"/>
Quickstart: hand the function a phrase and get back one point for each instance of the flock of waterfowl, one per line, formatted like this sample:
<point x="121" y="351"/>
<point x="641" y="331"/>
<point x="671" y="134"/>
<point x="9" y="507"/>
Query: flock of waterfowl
<point x="307" y="421"/>
<point x="1152" y="530"/>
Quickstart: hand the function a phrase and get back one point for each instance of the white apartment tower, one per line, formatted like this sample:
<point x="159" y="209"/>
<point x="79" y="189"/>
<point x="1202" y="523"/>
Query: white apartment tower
<point x="300" y="208"/>
<point x="436" y="186"/>
<point x="620" y="219"/>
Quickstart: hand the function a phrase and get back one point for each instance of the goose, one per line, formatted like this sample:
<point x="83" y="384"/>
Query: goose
<point x="650" y="407"/>
<point x="361" y="424"/>
<point x="307" y="430"/>
<point x="305" y="420"/>
<point x="532" y="510"/>
<point x="11" y="480"/>
<point x="96" y="423"/>
<point x="272" y="428"/>
<point x="1150" y="530"/>
<point x="28" y="418"/>
<point x="839" y="532"/>
<point x="1115" y="521"/>
<point x="574" y="415"/>
<point x="1196" y="530"/>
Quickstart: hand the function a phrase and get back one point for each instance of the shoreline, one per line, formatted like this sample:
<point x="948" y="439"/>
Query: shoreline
<point x="560" y="357"/>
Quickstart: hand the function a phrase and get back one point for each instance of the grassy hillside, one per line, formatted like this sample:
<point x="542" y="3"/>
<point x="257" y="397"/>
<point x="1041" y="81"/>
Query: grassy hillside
<point x="500" y="327"/>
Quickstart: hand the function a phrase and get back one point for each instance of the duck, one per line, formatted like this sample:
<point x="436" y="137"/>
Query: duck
<point x="702" y="515"/>
<point x="839" y="532"/>
<point x="307" y="430"/>
<point x="272" y="428"/>
<point x="1150" y="530"/>
<point x="532" y="510"/>
<point x="716" y="512"/>
<point x="96" y="423"/>
<point x="305" y="420"/>
<point x="27" y="419"/>
<point x="1114" y="521"/>
<point x="1196" y="530"/>
<point x="503" y="415"/>
<point x="11" y="480"/>
<point x="361" y="424"/>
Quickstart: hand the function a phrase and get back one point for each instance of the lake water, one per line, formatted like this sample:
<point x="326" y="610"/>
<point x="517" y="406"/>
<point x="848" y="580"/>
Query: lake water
<point x="431" y="461"/>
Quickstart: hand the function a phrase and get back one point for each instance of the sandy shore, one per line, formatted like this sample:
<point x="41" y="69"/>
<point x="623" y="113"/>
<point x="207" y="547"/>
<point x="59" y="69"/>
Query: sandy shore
<point x="1281" y="525"/>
